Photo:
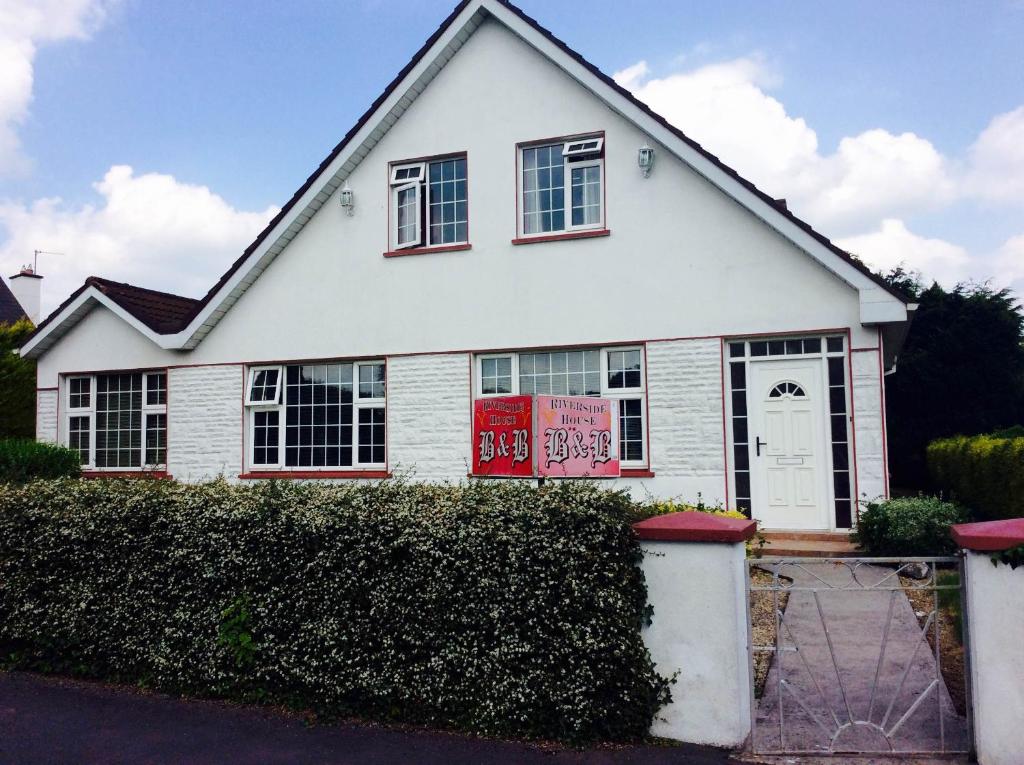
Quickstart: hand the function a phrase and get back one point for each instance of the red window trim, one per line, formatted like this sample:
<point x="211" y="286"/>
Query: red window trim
<point x="559" y="237"/>
<point x="298" y="474"/>
<point x="428" y="250"/>
<point x="636" y="473"/>
<point x="162" y="475"/>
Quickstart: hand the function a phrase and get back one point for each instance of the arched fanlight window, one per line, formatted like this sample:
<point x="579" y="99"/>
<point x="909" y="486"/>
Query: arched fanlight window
<point x="787" y="389"/>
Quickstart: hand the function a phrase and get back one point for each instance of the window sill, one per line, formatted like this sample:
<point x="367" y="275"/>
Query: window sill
<point x="636" y="473"/>
<point x="155" y="474"/>
<point x="300" y="474"/>
<point x="428" y="250"/>
<point x="589" y="234"/>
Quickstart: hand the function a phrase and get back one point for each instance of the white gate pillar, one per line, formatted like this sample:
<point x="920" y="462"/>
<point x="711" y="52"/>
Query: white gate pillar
<point x="695" y="566"/>
<point x="995" y="630"/>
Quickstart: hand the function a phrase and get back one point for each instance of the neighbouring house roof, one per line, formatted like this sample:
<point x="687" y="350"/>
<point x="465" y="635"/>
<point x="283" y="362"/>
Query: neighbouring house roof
<point x="178" y="329"/>
<point x="10" y="309"/>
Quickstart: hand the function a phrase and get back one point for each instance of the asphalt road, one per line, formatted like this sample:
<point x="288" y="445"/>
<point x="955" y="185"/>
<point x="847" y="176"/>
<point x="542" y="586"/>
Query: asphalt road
<point x="53" y="720"/>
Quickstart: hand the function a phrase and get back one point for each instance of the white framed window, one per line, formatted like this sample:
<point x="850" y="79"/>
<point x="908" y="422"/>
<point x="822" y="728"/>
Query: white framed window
<point x="614" y="373"/>
<point x="264" y="386"/>
<point x="429" y="203"/>
<point x="327" y="416"/>
<point x="547" y="171"/>
<point x="117" y="421"/>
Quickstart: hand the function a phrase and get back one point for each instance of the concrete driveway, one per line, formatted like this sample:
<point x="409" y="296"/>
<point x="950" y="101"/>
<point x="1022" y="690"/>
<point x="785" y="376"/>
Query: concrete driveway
<point x="52" y="720"/>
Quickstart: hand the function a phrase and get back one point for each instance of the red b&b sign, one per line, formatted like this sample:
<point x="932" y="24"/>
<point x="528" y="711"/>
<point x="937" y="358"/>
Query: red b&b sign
<point x="503" y="436"/>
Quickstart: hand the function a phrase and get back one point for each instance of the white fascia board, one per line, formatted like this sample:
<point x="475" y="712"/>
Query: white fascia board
<point x="872" y="297"/>
<point x="182" y="339"/>
<point x="73" y="309"/>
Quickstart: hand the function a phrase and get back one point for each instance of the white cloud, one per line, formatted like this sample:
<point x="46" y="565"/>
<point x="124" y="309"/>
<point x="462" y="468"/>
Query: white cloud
<point x="893" y="244"/>
<point x="996" y="160"/>
<point x="24" y="25"/>
<point x="151" y="230"/>
<point x="1009" y="263"/>
<point x="725" y="108"/>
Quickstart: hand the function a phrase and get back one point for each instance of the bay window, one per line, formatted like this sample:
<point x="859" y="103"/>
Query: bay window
<point x="117" y="421"/>
<point x="612" y="373"/>
<point x="547" y="171"/>
<point x="317" y="416"/>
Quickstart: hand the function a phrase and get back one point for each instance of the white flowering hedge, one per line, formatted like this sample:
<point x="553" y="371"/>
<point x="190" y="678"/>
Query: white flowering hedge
<point x="495" y="608"/>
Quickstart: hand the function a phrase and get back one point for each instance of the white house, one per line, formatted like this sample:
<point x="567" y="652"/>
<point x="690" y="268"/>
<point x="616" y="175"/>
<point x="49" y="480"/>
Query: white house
<point x="485" y="228"/>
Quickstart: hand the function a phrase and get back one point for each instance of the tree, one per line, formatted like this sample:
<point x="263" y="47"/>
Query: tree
<point x="961" y="371"/>
<point x="17" y="383"/>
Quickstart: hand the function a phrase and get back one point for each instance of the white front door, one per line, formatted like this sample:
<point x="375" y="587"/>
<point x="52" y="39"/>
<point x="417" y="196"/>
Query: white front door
<point x="789" y="469"/>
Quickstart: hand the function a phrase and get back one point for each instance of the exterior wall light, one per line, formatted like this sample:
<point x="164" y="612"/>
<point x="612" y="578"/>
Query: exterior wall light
<point x="347" y="198"/>
<point x="645" y="159"/>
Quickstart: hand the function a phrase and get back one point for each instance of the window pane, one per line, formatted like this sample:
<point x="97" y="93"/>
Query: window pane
<point x="407" y="214"/>
<point x="371" y="381"/>
<point x="319" y="413"/>
<point x="496" y="375"/>
<point x="78" y="437"/>
<point x="560" y="373"/>
<point x="631" y="429"/>
<point x="543" y="189"/>
<point x="119" y="420"/>
<point x="79" y="392"/>
<point x="371" y="436"/>
<point x="624" y="369"/>
<point x="586" y="195"/>
<point x="265" y="437"/>
<point x="737" y="350"/>
<point x="156" y="439"/>
<point x="834" y="344"/>
<point x="448" y="211"/>
<point x="264" y="386"/>
<point x="835" y="371"/>
<point x="156" y="389"/>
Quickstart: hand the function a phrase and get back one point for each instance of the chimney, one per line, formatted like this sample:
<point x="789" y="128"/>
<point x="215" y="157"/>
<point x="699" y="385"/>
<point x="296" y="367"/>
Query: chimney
<point x="27" y="288"/>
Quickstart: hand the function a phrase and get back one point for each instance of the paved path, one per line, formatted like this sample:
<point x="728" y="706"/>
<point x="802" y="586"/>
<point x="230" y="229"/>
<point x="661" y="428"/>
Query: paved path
<point x="49" y="720"/>
<point x="835" y="693"/>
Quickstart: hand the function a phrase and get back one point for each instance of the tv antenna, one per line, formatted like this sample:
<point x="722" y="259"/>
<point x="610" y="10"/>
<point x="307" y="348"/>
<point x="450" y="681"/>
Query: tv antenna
<point x="35" y="258"/>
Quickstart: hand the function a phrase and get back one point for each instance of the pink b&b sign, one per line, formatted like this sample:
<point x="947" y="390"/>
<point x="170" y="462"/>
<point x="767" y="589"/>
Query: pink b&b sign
<point x="576" y="436"/>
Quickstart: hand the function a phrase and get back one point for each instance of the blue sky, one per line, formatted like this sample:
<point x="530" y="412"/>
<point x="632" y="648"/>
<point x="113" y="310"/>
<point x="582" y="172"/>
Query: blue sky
<point x="871" y="117"/>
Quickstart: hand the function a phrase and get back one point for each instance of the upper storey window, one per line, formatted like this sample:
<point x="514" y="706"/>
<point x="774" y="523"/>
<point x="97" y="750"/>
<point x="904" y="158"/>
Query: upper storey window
<point x="429" y="203"/>
<point x="562" y="186"/>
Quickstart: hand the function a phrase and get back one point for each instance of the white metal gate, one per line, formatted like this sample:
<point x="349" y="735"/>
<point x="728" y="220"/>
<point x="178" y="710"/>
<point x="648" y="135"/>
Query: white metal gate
<point x="852" y="656"/>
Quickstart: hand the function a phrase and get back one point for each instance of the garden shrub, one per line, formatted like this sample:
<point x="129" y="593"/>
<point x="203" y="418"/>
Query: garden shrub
<point x="496" y="608"/>
<point x="908" y="526"/>
<point x="985" y="473"/>
<point x="24" y="460"/>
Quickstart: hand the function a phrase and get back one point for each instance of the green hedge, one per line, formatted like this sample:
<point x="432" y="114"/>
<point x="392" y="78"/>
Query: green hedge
<point x="25" y="460"/>
<point x="985" y="473"/>
<point x="494" y="608"/>
<point x="909" y="526"/>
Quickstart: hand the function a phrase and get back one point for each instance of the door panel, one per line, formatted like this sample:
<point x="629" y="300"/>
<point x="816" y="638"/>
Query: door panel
<point x="787" y="406"/>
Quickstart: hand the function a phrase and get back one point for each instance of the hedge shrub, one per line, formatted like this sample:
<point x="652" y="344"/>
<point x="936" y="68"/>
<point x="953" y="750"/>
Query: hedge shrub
<point x="24" y="460"/>
<point x="495" y="608"/>
<point x="985" y="473"/>
<point x="909" y="526"/>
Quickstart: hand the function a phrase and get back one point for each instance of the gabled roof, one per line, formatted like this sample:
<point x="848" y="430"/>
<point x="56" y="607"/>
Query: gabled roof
<point x="879" y="302"/>
<point x="162" y="312"/>
<point x="10" y="309"/>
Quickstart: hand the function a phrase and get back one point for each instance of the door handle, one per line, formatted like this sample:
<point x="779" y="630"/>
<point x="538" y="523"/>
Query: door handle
<point x="759" y="443"/>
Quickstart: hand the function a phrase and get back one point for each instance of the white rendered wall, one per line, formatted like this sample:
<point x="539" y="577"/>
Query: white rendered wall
<point x="866" y="390"/>
<point x="46" y="416"/>
<point x="204" y="422"/>
<point x="995" y="608"/>
<point x="699" y="629"/>
<point x="429" y="418"/>
<point x="684" y="383"/>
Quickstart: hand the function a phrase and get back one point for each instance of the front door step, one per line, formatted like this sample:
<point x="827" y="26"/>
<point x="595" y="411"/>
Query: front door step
<point x="809" y="544"/>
